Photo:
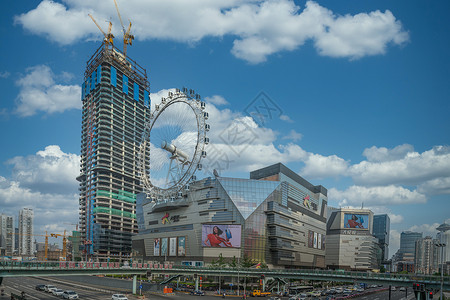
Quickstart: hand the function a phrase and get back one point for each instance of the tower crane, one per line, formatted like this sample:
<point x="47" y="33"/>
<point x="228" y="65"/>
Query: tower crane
<point x="64" y="236"/>
<point x="45" y="244"/>
<point x="108" y="37"/>
<point x="127" y="36"/>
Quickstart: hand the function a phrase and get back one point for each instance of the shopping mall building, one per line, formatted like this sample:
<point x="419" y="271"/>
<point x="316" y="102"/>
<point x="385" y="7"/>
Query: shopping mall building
<point x="275" y="217"/>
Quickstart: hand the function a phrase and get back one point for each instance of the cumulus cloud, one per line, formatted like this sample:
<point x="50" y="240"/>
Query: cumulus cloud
<point x="412" y="169"/>
<point x="286" y="118"/>
<point x="293" y="135"/>
<point x="45" y="182"/>
<point x="382" y="154"/>
<point x="51" y="210"/>
<point x="40" y="92"/>
<point x="319" y="166"/>
<point x="375" y="196"/>
<point x="217" y="100"/>
<point x="259" y="28"/>
<point x="435" y="186"/>
<point x="48" y="171"/>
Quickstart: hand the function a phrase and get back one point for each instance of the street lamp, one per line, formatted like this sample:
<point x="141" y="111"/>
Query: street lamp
<point x="442" y="246"/>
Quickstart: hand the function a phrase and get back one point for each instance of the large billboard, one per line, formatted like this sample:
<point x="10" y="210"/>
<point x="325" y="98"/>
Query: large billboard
<point x="156" y="247"/>
<point x="181" y="246"/>
<point x="173" y="246"/>
<point x="356" y="221"/>
<point x="221" y="235"/>
<point x="164" y="242"/>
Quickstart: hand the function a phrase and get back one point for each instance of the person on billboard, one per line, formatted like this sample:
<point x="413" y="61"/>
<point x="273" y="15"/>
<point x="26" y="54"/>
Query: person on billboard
<point x="353" y="222"/>
<point x="215" y="238"/>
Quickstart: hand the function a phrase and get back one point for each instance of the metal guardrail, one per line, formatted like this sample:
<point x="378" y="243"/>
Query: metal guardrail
<point x="13" y="268"/>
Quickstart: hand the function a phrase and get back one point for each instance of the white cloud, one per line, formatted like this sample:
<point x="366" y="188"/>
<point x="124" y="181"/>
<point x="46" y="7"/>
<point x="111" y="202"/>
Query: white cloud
<point x="382" y="154"/>
<point x="426" y="229"/>
<point x="319" y="166"/>
<point x="48" y="171"/>
<point x="259" y="28"/>
<point x="375" y="196"/>
<point x="51" y="211"/>
<point x="412" y="168"/>
<point x="360" y="35"/>
<point x="45" y="182"/>
<point x="435" y="186"/>
<point x="39" y="92"/>
<point x="293" y="135"/>
<point x="4" y="74"/>
<point x="217" y="100"/>
<point x="286" y="118"/>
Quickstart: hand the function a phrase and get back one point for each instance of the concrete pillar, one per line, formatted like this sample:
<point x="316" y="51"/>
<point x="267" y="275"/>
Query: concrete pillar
<point x="134" y="284"/>
<point x="196" y="283"/>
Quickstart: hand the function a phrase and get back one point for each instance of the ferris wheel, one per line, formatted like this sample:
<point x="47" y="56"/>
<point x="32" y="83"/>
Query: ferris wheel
<point x="173" y="144"/>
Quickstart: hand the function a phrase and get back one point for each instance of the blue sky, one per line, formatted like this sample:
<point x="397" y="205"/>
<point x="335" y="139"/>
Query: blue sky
<point x="361" y="91"/>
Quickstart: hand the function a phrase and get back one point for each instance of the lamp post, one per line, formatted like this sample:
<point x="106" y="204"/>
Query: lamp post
<point x="441" y="245"/>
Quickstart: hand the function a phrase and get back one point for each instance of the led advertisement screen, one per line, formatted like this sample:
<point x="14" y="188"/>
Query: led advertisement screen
<point x="221" y="236"/>
<point x="356" y="221"/>
<point x="181" y="246"/>
<point x="156" y="244"/>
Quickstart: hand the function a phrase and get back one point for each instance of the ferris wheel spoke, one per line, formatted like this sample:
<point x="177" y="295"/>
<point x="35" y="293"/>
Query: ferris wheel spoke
<point x="176" y="140"/>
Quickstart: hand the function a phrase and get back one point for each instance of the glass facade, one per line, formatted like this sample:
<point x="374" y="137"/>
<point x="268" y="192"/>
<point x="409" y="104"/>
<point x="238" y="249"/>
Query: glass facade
<point x="274" y="216"/>
<point x="381" y="230"/>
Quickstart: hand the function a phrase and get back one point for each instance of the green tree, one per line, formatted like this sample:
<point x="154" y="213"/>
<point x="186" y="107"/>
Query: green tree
<point x="220" y="262"/>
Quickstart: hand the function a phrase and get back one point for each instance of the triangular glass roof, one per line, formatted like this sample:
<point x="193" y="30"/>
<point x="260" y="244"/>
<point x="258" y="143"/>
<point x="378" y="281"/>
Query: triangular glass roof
<point x="247" y="194"/>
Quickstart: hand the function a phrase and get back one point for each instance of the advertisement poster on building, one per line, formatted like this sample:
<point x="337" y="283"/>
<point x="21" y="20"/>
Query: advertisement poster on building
<point x="310" y="238"/>
<point x="173" y="246"/>
<point x="164" y="242"/>
<point x="181" y="246"/>
<point x="156" y="247"/>
<point x="221" y="235"/>
<point x="319" y="241"/>
<point x="315" y="240"/>
<point x="356" y="221"/>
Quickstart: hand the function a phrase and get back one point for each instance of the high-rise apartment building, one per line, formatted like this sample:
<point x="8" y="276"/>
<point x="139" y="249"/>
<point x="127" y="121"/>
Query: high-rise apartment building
<point x="26" y="245"/>
<point x="115" y="96"/>
<point x="426" y="256"/>
<point x="381" y="229"/>
<point x="6" y="234"/>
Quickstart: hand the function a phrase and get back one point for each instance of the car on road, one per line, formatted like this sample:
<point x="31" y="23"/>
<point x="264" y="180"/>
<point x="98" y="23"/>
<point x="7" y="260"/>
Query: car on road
<point x="69" y="295"/>
<point x="49" y="288"/>
<point x="393" y="288"/>
<point x="198" y="293"/>
<point x="119" y="297"/>
<point x="57" y="292"/>
<point x="40" y="287"/>
<point x="402" y="289"/>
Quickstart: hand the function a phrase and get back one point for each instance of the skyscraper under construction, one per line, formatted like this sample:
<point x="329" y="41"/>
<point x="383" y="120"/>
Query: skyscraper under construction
<point x="116" y="105"/>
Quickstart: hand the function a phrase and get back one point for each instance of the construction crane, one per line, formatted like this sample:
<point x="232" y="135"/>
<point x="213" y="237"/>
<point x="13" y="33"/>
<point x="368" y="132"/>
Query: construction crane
<point x="108" y="37"/>
<point x="127" y="36"/>
<point x="45" y="244"/>
<point x="64" y="236"/>
<point x="76" y="225"/>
